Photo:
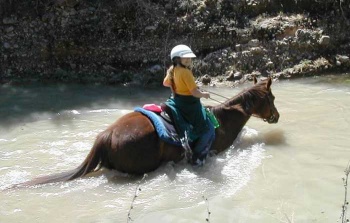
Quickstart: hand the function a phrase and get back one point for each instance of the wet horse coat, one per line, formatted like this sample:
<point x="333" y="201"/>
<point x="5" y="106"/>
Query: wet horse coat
<point x="131" y="144"/>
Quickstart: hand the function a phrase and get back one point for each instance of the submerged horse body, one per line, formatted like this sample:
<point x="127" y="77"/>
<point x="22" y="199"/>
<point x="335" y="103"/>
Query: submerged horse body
<point x="131" y="144"/>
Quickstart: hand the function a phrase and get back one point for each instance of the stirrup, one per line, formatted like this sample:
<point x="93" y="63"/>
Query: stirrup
<point x="187" y="147"/>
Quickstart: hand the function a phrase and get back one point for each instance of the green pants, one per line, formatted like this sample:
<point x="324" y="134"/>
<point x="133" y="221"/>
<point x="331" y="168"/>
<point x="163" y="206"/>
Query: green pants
<point x="189" y="115"/>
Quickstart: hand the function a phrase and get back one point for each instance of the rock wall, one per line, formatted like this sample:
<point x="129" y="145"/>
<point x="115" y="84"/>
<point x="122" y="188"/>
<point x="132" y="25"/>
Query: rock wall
<point x="128" y="41"/>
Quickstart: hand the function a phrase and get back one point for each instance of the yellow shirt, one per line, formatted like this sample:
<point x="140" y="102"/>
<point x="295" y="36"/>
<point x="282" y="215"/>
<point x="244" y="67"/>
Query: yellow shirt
<point x="183" y="79"/>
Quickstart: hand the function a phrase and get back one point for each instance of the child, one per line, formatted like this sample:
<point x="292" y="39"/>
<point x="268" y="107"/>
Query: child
<point x="186" y="101"/>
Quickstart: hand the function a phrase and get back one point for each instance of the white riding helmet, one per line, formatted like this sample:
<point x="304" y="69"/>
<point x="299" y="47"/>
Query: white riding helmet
<point x="182" y="51"/>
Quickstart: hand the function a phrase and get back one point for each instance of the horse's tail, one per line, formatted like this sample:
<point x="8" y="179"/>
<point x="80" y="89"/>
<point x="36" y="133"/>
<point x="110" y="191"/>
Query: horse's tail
<point x="96" y="158"/>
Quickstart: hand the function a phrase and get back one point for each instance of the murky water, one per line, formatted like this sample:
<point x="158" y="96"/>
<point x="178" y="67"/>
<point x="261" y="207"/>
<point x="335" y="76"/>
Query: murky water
<point x="287" y="172"/>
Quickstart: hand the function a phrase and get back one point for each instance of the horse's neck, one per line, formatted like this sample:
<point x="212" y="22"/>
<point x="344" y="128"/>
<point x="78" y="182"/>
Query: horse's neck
<point x="232" y="120"/>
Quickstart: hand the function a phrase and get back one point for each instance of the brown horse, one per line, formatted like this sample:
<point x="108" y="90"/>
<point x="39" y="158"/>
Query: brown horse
<point x="131" y="144"/>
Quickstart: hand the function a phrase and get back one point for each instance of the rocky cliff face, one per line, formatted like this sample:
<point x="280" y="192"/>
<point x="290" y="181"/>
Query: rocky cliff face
<point x="129" y="41"/>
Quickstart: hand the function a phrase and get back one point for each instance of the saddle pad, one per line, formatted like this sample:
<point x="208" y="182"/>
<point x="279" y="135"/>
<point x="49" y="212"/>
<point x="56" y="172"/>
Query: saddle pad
<point x="165" y="131"/>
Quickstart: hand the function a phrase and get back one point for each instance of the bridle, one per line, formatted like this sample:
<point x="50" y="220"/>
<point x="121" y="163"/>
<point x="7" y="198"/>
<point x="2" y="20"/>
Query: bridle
<point x="272" y="116"/>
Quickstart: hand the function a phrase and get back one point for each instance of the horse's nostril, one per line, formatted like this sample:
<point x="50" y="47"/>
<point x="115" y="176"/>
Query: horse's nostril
<point x="273" y="119"/>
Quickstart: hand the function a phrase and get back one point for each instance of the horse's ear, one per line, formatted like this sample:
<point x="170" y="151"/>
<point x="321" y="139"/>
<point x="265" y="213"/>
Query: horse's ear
<point x="255" y="80"/>
<point x="268" y="84"/>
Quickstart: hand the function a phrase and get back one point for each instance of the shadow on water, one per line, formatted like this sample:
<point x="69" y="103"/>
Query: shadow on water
<point x="34" y="102"/>
<point x="275" y="137"/>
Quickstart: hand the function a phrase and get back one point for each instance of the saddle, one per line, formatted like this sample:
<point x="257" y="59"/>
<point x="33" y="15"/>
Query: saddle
<point x="163" y="123"/>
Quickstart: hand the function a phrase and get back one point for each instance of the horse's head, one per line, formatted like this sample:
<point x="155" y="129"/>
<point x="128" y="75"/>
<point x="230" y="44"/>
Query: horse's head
<point x="264" y="106"/>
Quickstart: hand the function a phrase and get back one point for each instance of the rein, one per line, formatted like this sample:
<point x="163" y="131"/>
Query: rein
<point x="217" y="94"/>
<point x="266" y="97"/>
<point x="220" y="102"/>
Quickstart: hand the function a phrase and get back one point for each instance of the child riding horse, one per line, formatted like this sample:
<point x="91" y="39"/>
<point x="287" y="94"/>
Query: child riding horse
<point x="131" y="144"/>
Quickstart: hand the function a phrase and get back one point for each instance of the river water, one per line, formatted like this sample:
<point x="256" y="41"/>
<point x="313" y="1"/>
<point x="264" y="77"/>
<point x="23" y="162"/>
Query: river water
<point x="286" y="172"/>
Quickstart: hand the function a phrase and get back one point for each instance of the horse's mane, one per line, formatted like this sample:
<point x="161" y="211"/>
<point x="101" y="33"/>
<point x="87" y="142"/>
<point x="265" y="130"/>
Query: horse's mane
<point x="245" y="99"/>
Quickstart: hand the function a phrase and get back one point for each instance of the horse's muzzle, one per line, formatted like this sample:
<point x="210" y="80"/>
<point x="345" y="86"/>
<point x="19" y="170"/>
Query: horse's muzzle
<point x="273" y="118"/>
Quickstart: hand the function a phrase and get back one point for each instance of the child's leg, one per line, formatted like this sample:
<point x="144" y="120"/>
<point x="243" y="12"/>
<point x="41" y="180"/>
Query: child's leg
<point x="203" y="145"/>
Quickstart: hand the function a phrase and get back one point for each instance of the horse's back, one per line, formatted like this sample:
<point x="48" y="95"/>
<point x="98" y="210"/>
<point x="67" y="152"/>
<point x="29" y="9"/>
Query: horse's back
<point x="135" y="145"/>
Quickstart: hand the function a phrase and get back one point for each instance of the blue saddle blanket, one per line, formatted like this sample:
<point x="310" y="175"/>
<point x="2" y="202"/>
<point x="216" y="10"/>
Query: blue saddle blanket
<point x="165" y="130"/>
